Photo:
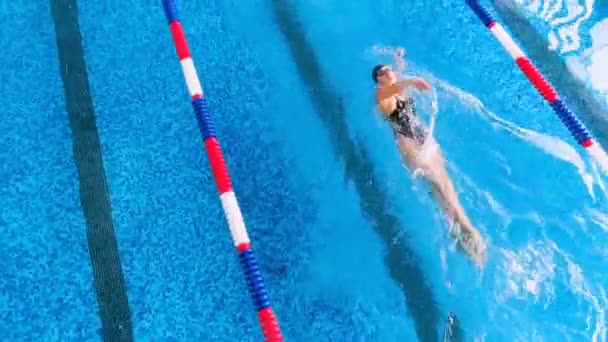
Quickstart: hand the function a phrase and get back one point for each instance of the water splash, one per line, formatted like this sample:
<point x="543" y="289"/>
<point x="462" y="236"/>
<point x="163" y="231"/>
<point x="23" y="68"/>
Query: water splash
<point x="599" y="218"/>
<point x="530" y="271"/>
<point x="548" y="144"/>
<point x="596" y="316"/>
<point x="383" y="50"/>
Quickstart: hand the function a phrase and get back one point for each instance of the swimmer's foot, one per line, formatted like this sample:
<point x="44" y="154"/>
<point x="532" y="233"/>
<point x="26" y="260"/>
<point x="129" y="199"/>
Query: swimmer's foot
<point x="470" y="241"/>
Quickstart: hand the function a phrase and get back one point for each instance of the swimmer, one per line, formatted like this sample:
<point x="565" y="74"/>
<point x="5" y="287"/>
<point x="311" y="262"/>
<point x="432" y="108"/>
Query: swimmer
<point x="410" y="133"/>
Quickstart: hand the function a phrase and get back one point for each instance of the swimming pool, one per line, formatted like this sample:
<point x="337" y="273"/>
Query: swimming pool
<point x="350" y="246"/>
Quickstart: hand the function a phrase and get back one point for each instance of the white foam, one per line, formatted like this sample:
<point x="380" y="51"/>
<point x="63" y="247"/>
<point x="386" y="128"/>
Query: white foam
<point x="566" y="25"/>
<point x="599" y="218"/>
<point x="598" y="67"/>
<point x="599" y="156"/>
<point x="552" y="10"/>
<point x="553" y="42"/>
<point x="534" y="5"/>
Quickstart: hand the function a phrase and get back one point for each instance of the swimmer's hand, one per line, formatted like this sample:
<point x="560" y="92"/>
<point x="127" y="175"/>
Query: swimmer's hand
<point x="400" y="52"/>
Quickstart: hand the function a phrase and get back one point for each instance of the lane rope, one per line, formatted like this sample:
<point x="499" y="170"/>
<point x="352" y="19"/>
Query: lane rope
<point x="546" y="90"/>
<point x="257" y="289"/>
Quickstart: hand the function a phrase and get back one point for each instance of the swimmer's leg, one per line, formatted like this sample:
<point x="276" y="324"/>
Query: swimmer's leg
<point x="468" y="237"/>
<point x="443" y="191"/>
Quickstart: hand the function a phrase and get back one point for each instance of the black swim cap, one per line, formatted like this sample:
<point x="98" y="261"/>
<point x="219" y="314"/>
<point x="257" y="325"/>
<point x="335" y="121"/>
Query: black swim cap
<point x="376" y="71"/>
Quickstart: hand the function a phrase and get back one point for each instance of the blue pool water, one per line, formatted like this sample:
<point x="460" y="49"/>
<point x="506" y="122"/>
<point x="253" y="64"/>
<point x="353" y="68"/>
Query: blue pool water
<point x="351" y="247"/>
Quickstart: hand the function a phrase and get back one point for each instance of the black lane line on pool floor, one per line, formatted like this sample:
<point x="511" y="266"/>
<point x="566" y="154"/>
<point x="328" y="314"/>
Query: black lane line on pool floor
<point x="400" y="259"/>
<point x="574" y="91"/>
<point x="95" y="200"/>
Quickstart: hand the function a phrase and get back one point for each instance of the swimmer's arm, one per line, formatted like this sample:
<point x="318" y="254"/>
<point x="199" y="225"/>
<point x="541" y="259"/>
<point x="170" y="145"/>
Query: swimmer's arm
<point x="397" y="87"/>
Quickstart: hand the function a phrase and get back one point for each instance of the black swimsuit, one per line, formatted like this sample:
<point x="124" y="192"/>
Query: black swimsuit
<point x="405" y="122"/>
